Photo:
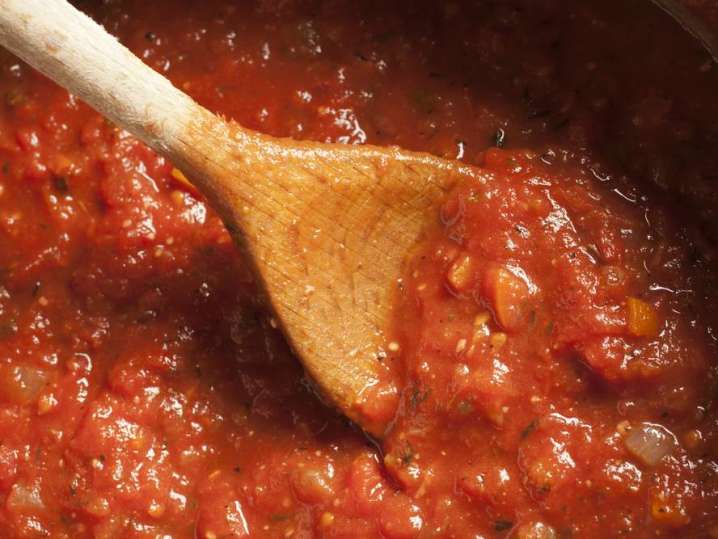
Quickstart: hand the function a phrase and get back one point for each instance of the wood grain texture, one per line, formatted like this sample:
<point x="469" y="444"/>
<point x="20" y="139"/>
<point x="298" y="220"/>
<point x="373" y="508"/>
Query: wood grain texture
<point x="326" y="226"/>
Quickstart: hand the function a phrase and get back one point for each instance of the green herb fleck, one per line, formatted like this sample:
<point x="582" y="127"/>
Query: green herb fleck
<point x="406" y="455"/>
<point x="561" y="123"/>
<point x="424" y="100"/>
<point x="465" y="407"/>
<point x="529" y="429"/>
<point x="549" y="327"/>
<point x="417" y="396"/>
<point x="503" y="525"/>
<point x="60" y="184"/>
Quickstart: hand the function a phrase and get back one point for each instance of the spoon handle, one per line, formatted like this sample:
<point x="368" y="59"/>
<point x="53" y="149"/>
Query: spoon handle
<point x="77" y="53"/>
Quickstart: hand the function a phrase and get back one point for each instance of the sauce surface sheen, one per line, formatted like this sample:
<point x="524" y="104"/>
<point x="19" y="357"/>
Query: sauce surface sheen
<point x="554" y="328"/>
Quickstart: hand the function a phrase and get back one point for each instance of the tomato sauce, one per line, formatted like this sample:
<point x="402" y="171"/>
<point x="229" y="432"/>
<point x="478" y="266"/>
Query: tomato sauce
<point x="556" y="337"/>
<point x="558" y="347"/>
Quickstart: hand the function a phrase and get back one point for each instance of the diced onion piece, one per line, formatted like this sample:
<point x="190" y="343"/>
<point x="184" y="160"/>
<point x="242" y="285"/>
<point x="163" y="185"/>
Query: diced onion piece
<point x="313" y="482"/>
<point x="669" y="512"/>
<point x="24" y="498"/>
<point x="98" y="506"/>
<point x="642" y="318"/>
<point x="459" y="275"/>
<point x="649" y="443"/>
<point x="20" y="384"/>
<point x="535" y="530"/>
<point x="481" y="328"/>
<point x="508" y="295"/>
<point x="497" y="340"/>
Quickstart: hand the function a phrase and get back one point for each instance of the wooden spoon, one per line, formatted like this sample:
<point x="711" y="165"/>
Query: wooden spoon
<point x="325" y="225"/>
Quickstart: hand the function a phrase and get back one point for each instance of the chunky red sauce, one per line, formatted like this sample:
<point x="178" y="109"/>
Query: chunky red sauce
<point x="556" y="334"/>
<point x="560" y="360"/>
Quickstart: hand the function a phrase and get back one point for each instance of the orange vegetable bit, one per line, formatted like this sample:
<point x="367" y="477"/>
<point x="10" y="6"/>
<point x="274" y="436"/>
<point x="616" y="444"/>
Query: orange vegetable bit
<point x="508" y="295"/>
<point x="642" y="318"/>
